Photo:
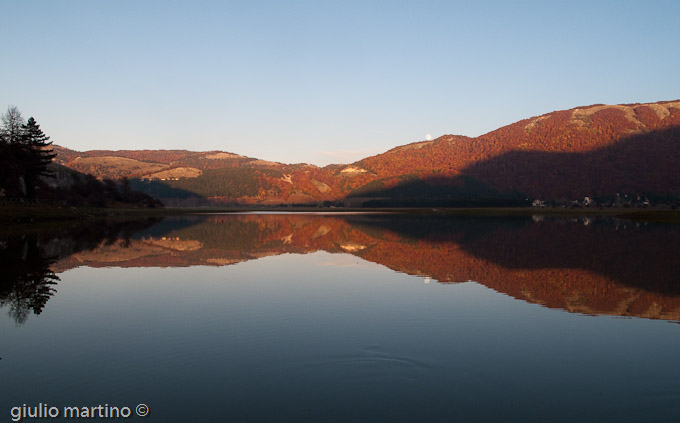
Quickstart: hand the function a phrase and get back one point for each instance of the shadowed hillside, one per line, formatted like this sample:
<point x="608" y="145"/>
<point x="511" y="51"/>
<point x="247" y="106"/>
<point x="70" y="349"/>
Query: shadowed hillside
<point x="639" y="165"/>
<point x="642" y="164"/>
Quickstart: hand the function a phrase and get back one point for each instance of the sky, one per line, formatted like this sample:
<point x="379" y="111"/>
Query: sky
<point x="322" y="81"/>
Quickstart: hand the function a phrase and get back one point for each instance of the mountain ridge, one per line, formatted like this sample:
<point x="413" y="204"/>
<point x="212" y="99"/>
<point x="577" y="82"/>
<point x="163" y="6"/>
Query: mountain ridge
<point x="593" y="148"/>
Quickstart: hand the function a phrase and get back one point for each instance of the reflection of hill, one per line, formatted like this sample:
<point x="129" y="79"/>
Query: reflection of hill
<point x="583" y="266"/>
<point x="222" y="239"/>
<point x="598" y="267"/>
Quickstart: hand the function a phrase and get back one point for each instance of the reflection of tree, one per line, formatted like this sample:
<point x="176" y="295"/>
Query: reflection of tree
<point x="27" y="283"/>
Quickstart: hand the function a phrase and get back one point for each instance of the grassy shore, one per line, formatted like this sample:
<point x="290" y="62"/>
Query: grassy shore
<point x="34" y="213"/>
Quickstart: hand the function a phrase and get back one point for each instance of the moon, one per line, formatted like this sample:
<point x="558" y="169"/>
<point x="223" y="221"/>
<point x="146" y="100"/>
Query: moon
<point x="428" y="137"/>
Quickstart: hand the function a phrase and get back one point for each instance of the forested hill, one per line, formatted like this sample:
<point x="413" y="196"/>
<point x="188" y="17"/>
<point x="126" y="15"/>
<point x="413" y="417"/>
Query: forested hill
<point x="596" y="151"/>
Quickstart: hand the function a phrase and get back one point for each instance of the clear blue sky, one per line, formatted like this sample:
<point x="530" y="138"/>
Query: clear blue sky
<point x="320" y="81"/>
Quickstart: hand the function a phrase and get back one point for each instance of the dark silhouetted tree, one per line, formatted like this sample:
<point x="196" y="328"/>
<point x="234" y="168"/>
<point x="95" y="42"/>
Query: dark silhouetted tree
<point x="12" y="121"/>
<point x="38" y="154"/>
<point x="25" y="154"/>
<point x="28" y="282"/>
<point x="11" y="154"/>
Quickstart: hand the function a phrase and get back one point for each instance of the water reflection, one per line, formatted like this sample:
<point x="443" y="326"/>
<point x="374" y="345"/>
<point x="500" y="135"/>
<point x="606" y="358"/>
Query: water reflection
<point x="593" y="266"/>
<point x="585" y="265"/>
<point x="29" y="257"/>
<point x="27" y="281"/>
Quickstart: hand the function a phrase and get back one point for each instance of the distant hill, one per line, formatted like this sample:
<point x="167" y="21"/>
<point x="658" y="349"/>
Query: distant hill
<point x="597" y="151"/>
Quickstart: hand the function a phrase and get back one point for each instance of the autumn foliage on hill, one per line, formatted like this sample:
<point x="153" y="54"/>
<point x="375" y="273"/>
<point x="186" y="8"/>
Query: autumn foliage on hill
<point x="596" y="151"/>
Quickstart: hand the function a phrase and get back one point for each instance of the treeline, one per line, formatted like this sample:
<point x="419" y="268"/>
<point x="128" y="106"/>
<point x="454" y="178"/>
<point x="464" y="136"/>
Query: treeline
<point x="27" y="171"/>
<point x="24" y="155"/>
<point x="229" y="182"/>
<point x="88" y="190"/>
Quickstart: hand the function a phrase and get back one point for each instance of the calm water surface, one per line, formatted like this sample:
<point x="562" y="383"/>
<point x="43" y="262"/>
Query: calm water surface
<point x="288" y="318"/>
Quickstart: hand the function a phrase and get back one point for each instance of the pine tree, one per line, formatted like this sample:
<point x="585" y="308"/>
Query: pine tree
<point x="39" y="147"/>
<point x="38" y="154"/>
<point x="25" y="154"/>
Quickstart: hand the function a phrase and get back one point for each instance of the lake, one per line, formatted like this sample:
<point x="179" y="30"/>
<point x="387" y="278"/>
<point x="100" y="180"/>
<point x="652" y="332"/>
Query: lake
<point x="342" y="318"/>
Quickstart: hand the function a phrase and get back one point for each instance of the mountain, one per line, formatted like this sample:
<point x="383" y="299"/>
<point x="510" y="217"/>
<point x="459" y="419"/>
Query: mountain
<point x="604" y="152"/>
<point x="594" y="151"/>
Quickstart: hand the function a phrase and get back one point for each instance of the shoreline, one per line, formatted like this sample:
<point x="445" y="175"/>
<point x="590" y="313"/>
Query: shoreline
<point x="22" y="214"/>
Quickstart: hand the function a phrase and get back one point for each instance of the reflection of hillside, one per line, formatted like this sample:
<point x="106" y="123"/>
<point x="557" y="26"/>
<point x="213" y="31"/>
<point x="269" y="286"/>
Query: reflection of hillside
<point x="133" y="250"/>
<point x="598" y="267"/>
<point x="218" y="241"/>
<point x="635" y="255"/>
<point x="580" y="266"/>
